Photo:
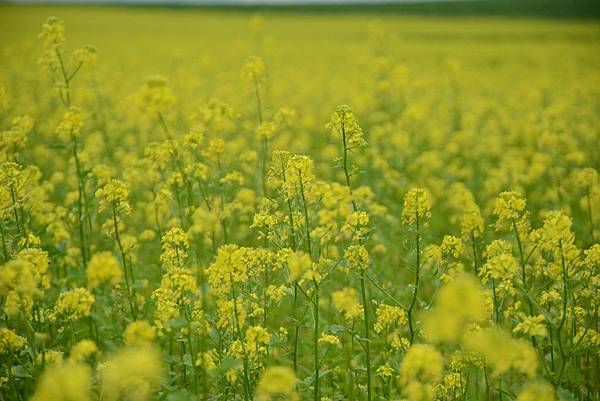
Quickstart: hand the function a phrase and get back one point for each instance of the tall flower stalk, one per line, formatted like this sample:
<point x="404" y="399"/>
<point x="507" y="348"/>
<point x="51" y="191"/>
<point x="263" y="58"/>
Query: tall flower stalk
<point x="417" y="207"/>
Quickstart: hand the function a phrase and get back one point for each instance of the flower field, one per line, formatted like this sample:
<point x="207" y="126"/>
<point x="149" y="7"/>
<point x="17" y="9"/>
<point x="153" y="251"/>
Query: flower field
<point x="198" y="204"/>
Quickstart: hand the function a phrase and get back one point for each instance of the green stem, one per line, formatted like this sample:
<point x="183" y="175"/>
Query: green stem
<point x="416" y="289"/>
<point x="316" y="340"/>
<point x="247" y="392"/>
<point x="368" y="342"/>
<point x="306" y="221"/>
<point x="129" y="288"/>
<point x="4" y="248"/>
<point x="589" y="208"/>
<point x="564" y="316"/>
<point x="80" y="189"/>
<point x="345" y="164"/>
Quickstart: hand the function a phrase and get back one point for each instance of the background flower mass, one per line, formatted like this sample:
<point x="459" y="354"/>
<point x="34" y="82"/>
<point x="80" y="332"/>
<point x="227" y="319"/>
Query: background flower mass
<point x="198" y="204"/>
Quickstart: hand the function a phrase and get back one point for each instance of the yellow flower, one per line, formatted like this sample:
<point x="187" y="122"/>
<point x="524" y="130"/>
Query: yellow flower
<point x="592" y="257"/>
<point x="73" y="304"/>
<point x="458" y="304"/>
<point x="388" y="315"/>
<point x="532" y="326"/>
<point x="385" y="371"/>
<point x="10" y="341"/>
<point x="345" y="301"/>
<point x="510" y="211"/>
<point x="276" y="383"/>
<point x="133" y="372"/>
<point x="452" y="245"/>
<point x="253" y="72"/>
<point x="357" y="257"/>
<point x="139" y="332"/>
<point x="82" y="350"/>
<point x="103" y="267"/>
<point x="18" y="287"/>
<point x="64" y="382"/>
<point x="329" y="339"/>
<point x="502" y="352"/>
<point x="175" y="246"/>
<point x="53" y="32"/>
<point x="71" y="124"/>
<point x="344" y="126"/>
<point x="113" y="197"/>
<point x="257" y="336"/>
<point x="299" y="264"/>
<point x="417" y="205"/>
<point x="537" y="391"/>
<point x="420" y="369"/>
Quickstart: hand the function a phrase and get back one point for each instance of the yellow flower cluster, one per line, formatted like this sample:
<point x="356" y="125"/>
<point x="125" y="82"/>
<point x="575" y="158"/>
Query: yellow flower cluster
<point x="103" y="267"/>
<point x="139" y="332"/>
<point x="194" y="236"/>
<point x="134" y="373"/>
<point x="345" y="301"/>
<point x="459" y="304"/>
<point x="74" y="304"/>
<point x="10" y="341"/>
<point x="417" y="205"/>
<point x="277" y="382"/>
<point x="387" y="315"/>
<point x="420" y="370"/>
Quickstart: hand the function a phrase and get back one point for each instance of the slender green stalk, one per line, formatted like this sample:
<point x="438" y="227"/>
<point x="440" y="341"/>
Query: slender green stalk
<point x="522" y="256"/>
<point x="474" y="248"/>
<point x="191" y="348"/>
<point x="264" y="143"/>
<point x="411" y="324"/>
<point x="367" y="336"/>
<point x="345" y="162"/>
<point x="589" y="209"/>
<point x="563" y="318"/>
<point x="495" y="299"/>
<point x="247" y="393"/>
<point x="317" y="361"/>
<point x="80" y="190"/>
<point x="306" y="220"/>
<point x="293" y="246"/>
<point x="4" y="248"/>
<point x="128" y="287"/>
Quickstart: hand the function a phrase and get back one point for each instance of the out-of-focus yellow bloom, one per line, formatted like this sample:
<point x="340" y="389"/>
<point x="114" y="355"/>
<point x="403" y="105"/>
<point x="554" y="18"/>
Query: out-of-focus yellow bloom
<point x="139" y="332"/>
<point x="277" y="382"/>
<point x="64" y="382"/>
<point x="83" y="349"/>
<point x="103" y="267"/>
<point x="134" y="372"/>
<point x="502" y="351"/>
<point x="345" y="301"/>
<point x="71" y="124"/>
<point x="420" y="370"/>
<point x="458" y="304"/>
<point x="537" y="391"/>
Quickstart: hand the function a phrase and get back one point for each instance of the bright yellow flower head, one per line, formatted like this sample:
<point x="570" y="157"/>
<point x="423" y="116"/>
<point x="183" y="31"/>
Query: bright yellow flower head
<point x="64" y="382"/>
<point x="276" y="383"/>
<point x="417" y="206"/>
<point x="103" y="267"/>
<point x="139" y="332"/>
<point x="132" y="372"/>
